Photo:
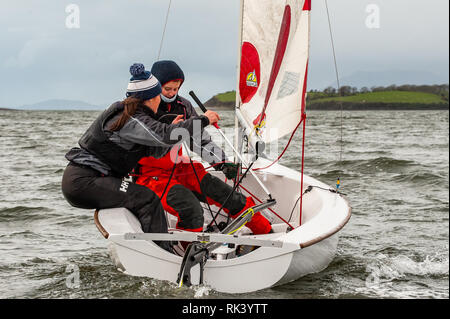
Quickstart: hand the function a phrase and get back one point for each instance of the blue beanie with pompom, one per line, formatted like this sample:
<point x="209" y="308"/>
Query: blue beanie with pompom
<point x="143" y="84"/>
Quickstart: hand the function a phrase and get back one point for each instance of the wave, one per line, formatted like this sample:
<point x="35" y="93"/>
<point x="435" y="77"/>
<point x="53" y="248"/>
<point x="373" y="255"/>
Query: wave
<point x="49" y="187"/>
<point x="365" y="152"/>
<point x="332" y="175"/>
<point x="421" y="177"/>
<point x="365" y="166"/>
<point x="383" y="164"/>
<point x="405" y="277"/>
<point x="34" y="146"/>
<point x="384" y="269"/>
<point x="348" y="169"/>
<point x="22" y="234"/>
<point x="24" y="213"/>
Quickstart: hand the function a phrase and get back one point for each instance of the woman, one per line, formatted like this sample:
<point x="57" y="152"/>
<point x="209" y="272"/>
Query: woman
<point x="180" y="185"/>
<point x="112" y="147"/>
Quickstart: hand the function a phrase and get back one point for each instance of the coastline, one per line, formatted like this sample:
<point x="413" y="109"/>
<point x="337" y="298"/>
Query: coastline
<point x="374" y="106"/>
<point x="214" y="104"/>
<point x="406" y="97"/>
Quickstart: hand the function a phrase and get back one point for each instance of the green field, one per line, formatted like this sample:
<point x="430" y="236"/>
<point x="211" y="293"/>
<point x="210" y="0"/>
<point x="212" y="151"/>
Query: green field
<point x="393" y="99"/>
<point x="229" y="96"/>
<point x="371" y="97"/>
<point x="381" y="97"/>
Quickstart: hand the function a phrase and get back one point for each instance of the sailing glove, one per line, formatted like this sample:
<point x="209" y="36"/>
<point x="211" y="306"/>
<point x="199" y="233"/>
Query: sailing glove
<point x="229" y="169"/>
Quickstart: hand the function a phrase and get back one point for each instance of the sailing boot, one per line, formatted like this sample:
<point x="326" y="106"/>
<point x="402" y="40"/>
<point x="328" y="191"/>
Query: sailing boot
<point x="218" y="191"/>
<point x="258" y="224"/>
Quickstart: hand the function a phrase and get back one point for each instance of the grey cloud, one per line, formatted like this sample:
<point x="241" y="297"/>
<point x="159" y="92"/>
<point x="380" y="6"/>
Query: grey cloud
<point x="42" y="59"/>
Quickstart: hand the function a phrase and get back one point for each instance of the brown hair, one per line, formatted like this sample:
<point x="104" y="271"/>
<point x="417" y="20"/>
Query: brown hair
<point x="130" y="105"/>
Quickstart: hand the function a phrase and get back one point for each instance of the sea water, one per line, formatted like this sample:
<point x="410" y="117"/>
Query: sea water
<point x="393" y="167"/>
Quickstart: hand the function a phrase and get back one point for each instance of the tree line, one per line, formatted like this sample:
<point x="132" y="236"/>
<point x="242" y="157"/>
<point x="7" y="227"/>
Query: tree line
<point x="439" y="89"/>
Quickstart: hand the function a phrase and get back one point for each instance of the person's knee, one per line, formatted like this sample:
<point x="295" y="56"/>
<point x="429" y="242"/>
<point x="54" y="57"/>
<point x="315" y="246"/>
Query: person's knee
<point x="147" y="207"/>
<point x="143" y="196"/>
<point x="188" y="207"/>
<point x="221" y="192"/>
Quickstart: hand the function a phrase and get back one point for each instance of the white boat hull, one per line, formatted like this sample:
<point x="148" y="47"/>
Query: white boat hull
<point x="307" y="249"/>
<point x="141" y="258"/>
<point x="311" y="259"/>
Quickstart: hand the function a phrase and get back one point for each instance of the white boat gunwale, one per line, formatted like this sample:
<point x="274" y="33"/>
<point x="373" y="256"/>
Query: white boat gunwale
<point x="231" y="239"/>
<point x="333" y="231"/>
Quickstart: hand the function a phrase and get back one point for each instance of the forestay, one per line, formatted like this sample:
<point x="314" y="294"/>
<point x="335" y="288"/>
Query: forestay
<point x="273" y="65"/>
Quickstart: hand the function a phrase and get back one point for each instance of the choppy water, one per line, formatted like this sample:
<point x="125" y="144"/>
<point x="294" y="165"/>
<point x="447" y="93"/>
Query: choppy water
<point x="395" y="174"/>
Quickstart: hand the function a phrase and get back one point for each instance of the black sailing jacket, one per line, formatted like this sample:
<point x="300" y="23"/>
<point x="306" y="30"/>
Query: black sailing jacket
<point x="117" y="152"/>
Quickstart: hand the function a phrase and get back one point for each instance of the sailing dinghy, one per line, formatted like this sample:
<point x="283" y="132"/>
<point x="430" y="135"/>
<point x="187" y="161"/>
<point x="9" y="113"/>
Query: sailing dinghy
<point x="306" y="214"/>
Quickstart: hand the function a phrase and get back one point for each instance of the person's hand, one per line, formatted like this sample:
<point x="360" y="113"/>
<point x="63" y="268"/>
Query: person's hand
<point x="212" y="116"/>
<point x="230" y="170"/>
<point x="178" y="119"/>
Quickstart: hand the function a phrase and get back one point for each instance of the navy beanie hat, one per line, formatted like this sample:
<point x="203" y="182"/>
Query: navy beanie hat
<point x="143" y="84"/>
<point x="166" y="71"/>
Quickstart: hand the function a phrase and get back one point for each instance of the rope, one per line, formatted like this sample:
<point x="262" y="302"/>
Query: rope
<point x="339" y="92"/>
<point x="164" y="31"/>
<point x="231" y="193"/>
<point x="303" y="162"/>
<point x="171" y="174"/>
<point x="254" y="196"/>
<point x="310" y="187"/>
<point x="285" y="148"/>
<point x="203" y="193"/>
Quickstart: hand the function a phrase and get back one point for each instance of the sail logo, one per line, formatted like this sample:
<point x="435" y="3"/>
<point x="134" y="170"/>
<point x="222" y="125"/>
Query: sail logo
<point x="252" y="80"/>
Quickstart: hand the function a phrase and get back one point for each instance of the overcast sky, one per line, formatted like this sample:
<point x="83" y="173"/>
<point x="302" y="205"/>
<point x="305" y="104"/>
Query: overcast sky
<point x="42" y="58"/>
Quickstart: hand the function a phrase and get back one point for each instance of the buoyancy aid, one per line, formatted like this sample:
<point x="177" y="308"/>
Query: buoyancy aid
<point x="151" y="166"/>
<point x="96" y="141"/>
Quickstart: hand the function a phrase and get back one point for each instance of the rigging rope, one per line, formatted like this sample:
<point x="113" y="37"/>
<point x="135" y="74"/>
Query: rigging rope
<point x="339" y="92"/>
<point x="164" y="31"/>
<point x="285" y="148"/>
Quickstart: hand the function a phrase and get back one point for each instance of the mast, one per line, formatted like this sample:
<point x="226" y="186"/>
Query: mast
<point x="238" y="72"/>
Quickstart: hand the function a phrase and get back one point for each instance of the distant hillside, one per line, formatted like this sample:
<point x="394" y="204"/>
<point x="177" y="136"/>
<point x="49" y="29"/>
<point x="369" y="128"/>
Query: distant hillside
<point x="225" y="100"/>
<point x="388" y="97"/>
<point x="6" y="109"/>
<point x="407" y="97"/>
<point x="60" y="105"/>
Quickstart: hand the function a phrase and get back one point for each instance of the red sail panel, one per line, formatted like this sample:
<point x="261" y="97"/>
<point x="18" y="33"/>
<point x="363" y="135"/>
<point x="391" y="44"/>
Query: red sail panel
<point x="307" y="5"/>
<point x="250" y="72"/>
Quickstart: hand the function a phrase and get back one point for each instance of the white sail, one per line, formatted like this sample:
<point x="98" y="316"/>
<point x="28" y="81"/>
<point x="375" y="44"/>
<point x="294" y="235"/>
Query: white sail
<point x="273" y="65"/>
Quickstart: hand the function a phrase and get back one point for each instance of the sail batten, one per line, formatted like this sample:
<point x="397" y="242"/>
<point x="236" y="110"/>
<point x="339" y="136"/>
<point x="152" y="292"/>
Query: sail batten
<point x="273" y="65"/>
